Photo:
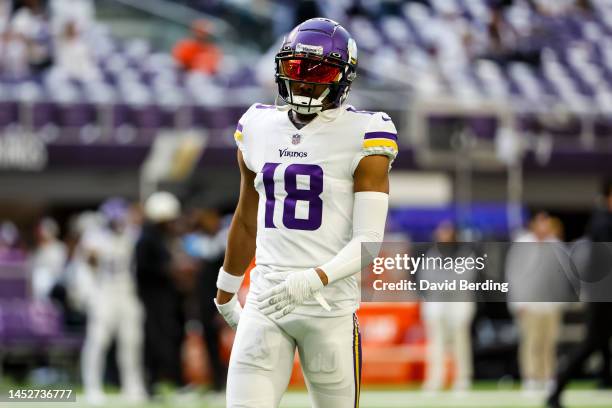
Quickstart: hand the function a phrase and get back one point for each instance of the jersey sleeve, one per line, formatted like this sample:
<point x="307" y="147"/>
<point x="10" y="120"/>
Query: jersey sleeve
<point x="380" y="138"/>
<point x="241" y="134"/>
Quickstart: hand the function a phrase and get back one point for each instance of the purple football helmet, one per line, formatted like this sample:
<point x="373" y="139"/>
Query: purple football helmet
<point x="317" y="52"/>
<point x="115" y="210"/>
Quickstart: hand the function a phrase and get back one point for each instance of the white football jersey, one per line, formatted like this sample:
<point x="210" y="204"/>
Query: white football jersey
<point x="114" y="253"/>
<point x="304" y="178"/>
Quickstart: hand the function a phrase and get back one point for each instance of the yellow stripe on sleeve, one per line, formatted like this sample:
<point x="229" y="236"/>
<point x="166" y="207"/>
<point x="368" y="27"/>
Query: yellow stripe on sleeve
<point x="238" y="136"/>
<point x="380" y="143"/>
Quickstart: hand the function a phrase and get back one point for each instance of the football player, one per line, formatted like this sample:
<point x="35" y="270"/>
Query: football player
<point x="113" y="307"/>
<point x="314" y="187"/>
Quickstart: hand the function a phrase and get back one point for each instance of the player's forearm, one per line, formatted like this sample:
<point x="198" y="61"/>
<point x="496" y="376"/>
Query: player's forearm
<point x="240" y="251"/>
<point x="369" y="217"/>
<point x="348" y="261"/>
<point x="240" y="246"/>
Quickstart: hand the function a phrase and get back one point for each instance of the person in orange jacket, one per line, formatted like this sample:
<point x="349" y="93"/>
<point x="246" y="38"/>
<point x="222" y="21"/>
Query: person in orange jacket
<point x="198" y="53"/>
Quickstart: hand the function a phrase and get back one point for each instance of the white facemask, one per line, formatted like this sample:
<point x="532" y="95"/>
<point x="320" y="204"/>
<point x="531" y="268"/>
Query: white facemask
<point x="306" y="104"/>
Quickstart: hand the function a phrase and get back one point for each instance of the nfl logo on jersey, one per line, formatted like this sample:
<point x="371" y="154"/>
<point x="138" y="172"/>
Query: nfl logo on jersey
<point x="296" y="139"/>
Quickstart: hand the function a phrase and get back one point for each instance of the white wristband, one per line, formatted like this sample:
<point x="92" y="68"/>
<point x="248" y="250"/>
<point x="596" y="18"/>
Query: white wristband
<point x="228" y="282"/>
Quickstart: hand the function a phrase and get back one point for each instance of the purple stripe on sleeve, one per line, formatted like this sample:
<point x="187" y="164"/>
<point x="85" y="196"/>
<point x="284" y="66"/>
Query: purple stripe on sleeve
<point x="351" y="109"/>
<point x="380" y="135"/>
<point x="239" y="127"/>
<point x="262" y="106"/>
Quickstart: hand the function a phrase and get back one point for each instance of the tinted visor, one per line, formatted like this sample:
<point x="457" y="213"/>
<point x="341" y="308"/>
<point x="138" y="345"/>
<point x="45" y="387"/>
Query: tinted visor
<point x="310" y="70"/>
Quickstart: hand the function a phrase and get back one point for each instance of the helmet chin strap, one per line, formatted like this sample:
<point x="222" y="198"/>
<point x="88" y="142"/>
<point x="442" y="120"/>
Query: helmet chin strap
<point x="306" y="104"/>
<point x="282" y="108"/>
<point x="331" y="114"/>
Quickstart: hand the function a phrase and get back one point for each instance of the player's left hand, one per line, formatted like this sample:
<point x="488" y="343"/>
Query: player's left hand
<point x="295" y="290"/>
<point x="230" y="311"/>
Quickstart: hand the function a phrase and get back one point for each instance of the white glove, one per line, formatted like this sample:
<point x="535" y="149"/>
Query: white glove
<point x="295" y="290"/>
<point x="230" y="311"/>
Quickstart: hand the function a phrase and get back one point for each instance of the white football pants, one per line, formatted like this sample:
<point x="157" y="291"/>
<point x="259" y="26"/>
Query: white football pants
<point x="262" y="359"/>
<point x="444" y="322"/>
<point x="114" y="312"/>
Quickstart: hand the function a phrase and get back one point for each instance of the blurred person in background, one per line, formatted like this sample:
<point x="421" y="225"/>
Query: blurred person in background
<point x="13" y="55"/>
<point x="541" y="228"/>
<point x="198" y="52"/>
<point x="556" y="228"/>
<point x="530" y="272"/>
<point x="449" y="38"/>
<point x="561" y="7"/>
<point x="6" y="7"/>
<point x="158" y="291"/>
<point x="448" y="317"/>
<point x="48" y="260"/>
<point x="30" y="31"/>
<point x="503" y="39"/>
<point x="598" y="308"/>
<point x="13" y="49"/>
<point x="506" y="43"/>
<point x="71" y="46"/>
<point x="81" y="13"/>
<point x="77" y="283"/>
<point x="208" y="244"/>
<point x="114" y="309"/>
<point x="79" y="276"/>
<point x="11" y="249"/>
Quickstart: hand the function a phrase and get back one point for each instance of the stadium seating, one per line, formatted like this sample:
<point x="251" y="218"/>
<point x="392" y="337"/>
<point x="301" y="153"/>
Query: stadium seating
<point x="147" y="89"/>
<point x="28" y="328"/>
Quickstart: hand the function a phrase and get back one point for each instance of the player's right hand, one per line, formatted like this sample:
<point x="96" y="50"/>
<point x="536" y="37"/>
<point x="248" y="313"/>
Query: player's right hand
<point x="230" y="311"/>
<point x="297" y="287"/>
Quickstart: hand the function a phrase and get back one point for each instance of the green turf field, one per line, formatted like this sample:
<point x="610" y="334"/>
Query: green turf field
<point x="575" y="398"/>
<point x="485" y="394"/>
